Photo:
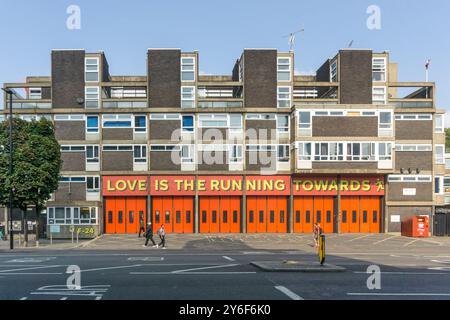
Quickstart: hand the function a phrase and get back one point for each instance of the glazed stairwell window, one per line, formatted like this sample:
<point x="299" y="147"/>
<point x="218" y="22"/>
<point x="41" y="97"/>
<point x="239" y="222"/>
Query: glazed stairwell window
<point x="379" y="69"/>
<point x="235" y="122"/>
<point x="187" y="123"/>
<point x="384" y="151"/>
<point x="188" y="97"/>
<point x="379" y="95"/>
<point x="284" y="69"/>
<point x="283" y="97"/>
<point x="333" y="71"/>
<point x="385" y="120"/>
<point x="91" y="68"/>
<point x="186" y="154"/>
<point x="92" y="154"/>
<point x="283" y="153"/>
<point x="304" y="118"/>
<point x="439" y="150"/>
<point x="188" y="69"/>
<point x="91" y="97"/>
<point x="438" y="123"/>
<point x="213" y="121"/>
<point x="304" y="151"/>
<point x="235" y="153"/>
<point x="140" y="123"/>
<point x="282" y="123"/>
<point x="92" y="124"/>
<point x="93" y="184"/>
<point x="140" y="153"/>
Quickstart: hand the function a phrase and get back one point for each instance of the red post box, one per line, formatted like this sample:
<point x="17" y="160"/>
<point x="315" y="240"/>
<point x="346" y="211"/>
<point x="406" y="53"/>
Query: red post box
<point x="417" y="227"/>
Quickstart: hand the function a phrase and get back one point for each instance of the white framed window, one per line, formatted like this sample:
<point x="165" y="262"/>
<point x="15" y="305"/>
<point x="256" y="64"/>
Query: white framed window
<point x="332" y="113"/>
<point x="328" y="151"/>
<point x="304" y="119"/>
<point x="91" y="68"/>
<point x="140" y="123"/>
<point x="413" y="117"/>
<point x="121" y="147"/>
<point x="31" y="117"/>
<point x="446" y="184"/>
<point x="361" y="151"/>
<point x="409" y="178"/>
<point x="93" y="184"/>
<point x="235" y="153"/>
<point x="188" y="97"/>
<point x="188" y="69"/>
<point x="447" y="162"/>
<point x="73" y="179"/>
<point x="186" y="153"/>
<point x="283" y="97"/>
<point x="333" y="71"/>
<point x="35" y="93"/>
<point x="72" y="215"/>
<point x="164" y="147"/>
<point x="284" y="68"/>
<point x="439" y="154"/>
<point x="69" y="117"/>
<point x="439" y="184"/>
<point x="140" y="153"/>
<point x="438" y="123"/>
<point x="92" y="154"/>
<point x="385" y="151"/>
<point x="236" y="122"/>
<point x="92" y="124"/>
<point x="283" y="153"/>
<point x="165" y="116"/>
<point x="187" y="123"/>
<point x="260" y="116"/>
<point x="117" y="121"/>
<point x="379" y="95"/>
<point x="72" y="148"/>
<point x="379" y="69"/>
<point x="385" y="120"/>
<point x="212" y="121"/>
<point x="304" y="150"/>
<point x="282" y="123"/>
<point x="413" y="147"/>
<point x="91" y="97"/>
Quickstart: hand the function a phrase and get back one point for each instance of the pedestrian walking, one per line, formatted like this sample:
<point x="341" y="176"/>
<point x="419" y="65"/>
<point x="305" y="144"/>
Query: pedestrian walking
<point x="2" y="232"/>
<point x="162" y="236"/>
<point x="141" y="225"/>
<point x="149" y="236"/>
<point x="317" y="233"/>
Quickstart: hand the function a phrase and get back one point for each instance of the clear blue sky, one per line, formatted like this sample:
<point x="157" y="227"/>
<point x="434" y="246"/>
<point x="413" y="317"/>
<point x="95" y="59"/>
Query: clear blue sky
<point x="411" y="30"/>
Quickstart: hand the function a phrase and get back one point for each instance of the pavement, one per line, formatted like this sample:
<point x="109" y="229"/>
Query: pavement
<point x="218" y="267"/>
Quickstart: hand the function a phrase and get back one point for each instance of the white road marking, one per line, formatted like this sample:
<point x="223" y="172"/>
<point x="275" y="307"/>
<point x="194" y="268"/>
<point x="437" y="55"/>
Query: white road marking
<point x="145" y="258"/>
<point x="111" y="268"/>
<point x="361" y="237"/>
<point x="441" y="261"/>
<point x="228" y="258"/>
<point x="98" y="298"/>
<point x="386" y="239"/>
<point x="26" y="260"/>
<point x="406" y="273"/>
<point x="397" y="294"/>
<point x="195" y="273"/>
<point x="23" y="298"/>
<point x="210" y="267"/>
<point x="289" y="293"/>
<point x="29" y="273"/>
<point x="411" y="242"/>
<point x="431" y="241"/>
<point x="29" y="268"/>
<point x="63" y="298"/>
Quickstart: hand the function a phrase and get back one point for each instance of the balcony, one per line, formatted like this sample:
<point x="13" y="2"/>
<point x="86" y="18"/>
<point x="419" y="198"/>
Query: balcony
<point x="411" y="94"/>
<point x="29" y="96"/>
<point x="231" y="103"/>
<point x="124" y="104"/>
<point x="315" y="93"/>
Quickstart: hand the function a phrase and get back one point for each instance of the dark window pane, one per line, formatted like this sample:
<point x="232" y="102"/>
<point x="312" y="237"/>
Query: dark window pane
<point x="272" y="216"/>
<point x="297" y="216"/>
<point x="364" y="216"/>
<point x="308" y="216"/>
<point x="235" y="216"/>
<point x="328" y="216"/>
<point x="225" y="216"/>
<point x="319" y="216"/>
<point x="250" y="217"/>
<point x="110" y="217"/>
<point x="120" y="217"/>
<point x="261" y="216"/>
<point x="178" y="216"/>
<point x="157" y="217"/>
<point x="188" y="216"/>
<point x="281" y="216"/>
<point x="344" y="216"/>
<point x="204" y="216"/>
<point x="131" y="217"/>
<point x="214" y="216"/>
<point x="167" y="216"/>
<point x="375" y="217"/>
<point x="353" y="216"/>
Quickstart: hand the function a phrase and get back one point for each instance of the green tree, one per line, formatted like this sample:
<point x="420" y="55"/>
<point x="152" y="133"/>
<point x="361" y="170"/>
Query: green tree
<point x="447" y="139"/>
<point x="37" y="163"/>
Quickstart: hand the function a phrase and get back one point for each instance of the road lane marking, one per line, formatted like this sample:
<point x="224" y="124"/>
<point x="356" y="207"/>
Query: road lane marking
<point x="289" y="293"/>
<point x="30" y="273"/>
<point x="397" y="294"/>
<point x="98" y="298"/>
<point x="228" y="258"/>
<point x="203" y="268"/>
<point x="361" y="237"/>
<point x="145" y="259"/>
<point x="195" y="273"/>
<point x="406" y="273"/>
<point x="29" y="268"/>
<point x="411" y="242"/>
<point x="386" y="239"/>
<point x="63" y="298"/>
<point x="23" y="298"/>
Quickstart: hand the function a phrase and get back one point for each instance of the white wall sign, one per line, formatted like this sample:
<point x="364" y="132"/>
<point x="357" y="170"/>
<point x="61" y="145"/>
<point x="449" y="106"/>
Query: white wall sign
<point x="395" y="218"/>
<point x="409" y="191"/>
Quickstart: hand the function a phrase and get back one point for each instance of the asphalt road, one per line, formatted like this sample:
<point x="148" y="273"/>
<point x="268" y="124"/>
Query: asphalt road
<point x="409" y="270"/>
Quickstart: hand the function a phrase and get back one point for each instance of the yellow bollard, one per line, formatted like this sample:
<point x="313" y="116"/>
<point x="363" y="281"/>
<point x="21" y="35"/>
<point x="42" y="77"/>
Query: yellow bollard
<point x="321" y="249"/>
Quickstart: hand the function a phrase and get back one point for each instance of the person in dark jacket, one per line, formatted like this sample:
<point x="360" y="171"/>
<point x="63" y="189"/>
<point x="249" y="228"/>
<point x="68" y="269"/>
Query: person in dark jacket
<point x="149" y="236"/>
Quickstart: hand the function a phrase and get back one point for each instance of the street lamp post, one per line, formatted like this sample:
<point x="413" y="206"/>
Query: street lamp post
<point x="11" y="235"/>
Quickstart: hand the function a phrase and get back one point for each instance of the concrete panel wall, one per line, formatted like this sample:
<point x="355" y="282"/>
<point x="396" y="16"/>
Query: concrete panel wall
<point x="345" y="126"/>
<point x="355" y="76"/>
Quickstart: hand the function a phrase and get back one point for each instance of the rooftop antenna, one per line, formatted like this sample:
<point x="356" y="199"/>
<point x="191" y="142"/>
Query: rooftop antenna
<point x="291" y="37"/>
<point x="350" y="44"/>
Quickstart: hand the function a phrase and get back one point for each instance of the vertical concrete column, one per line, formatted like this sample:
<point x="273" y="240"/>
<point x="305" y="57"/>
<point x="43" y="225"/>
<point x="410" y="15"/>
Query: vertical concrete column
<point x="290" y="217"/>
<point x="244" y="206"/>
<point x="385" y="207"/>
<point x="149" y="209"/>
<point x="338" y="214"/>
<point x="196" y="209"/>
